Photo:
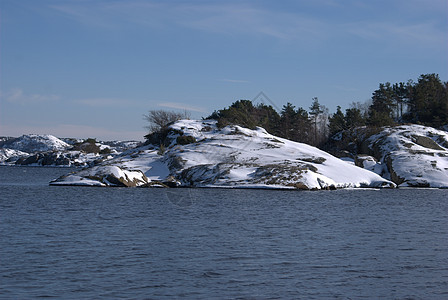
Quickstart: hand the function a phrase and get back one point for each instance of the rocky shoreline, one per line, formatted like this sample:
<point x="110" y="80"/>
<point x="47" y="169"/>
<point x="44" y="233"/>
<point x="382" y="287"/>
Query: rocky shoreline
<point x="199" y="154"/>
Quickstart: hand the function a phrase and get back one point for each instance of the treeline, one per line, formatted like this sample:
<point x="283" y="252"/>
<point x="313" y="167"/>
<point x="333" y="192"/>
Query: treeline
<point x="423" y="102"/>
<point x="292" y="123"/>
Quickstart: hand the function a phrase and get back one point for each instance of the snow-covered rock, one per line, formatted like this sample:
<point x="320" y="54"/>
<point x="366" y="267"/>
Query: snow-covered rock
<point x="32" y="143"/>
<point x="198" y="154"/>
<point x="119" y="146"/>
<point x="47" y="150"/>
<point x="60" y="158"/>
<point x="7" y="155"/>
<point x="104" y="175"/>
<point x="369" y="162"/>
<point x="411" y="155"/>
<point x="135" y="167"/>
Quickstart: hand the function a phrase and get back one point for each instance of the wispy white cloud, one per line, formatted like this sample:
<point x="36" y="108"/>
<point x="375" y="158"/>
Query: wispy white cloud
<point x="393" y="32"/>
<point x="181" y="106"/>
<point x="89" y="15"/>
<point x="18" y="96"/>
<point x="106" y="102"/>
<point x="114" y="14"/>
<point x="420" y="7"/>
<point x="234" y="80"/>
<point x="345" y="88"/>
<point x="219" y="17"/>
<point x="74" y="131"/>
<point x="254" y="19"/>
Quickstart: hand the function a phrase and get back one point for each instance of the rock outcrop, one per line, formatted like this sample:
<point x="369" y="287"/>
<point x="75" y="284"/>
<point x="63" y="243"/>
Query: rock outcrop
<point x="409" y="155"/>
<point x="414" y="155"/>
<point x="104" y="176"/>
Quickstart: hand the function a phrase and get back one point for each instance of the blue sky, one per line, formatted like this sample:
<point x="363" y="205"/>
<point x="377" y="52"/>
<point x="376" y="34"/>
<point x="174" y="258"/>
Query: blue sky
<point x="92" y="68"/>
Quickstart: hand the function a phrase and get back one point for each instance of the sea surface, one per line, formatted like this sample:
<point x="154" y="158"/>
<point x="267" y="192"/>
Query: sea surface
<point x="112" y="243"/>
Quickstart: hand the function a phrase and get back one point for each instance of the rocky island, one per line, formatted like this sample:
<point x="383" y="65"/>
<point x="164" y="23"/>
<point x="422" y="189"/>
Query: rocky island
<point x="199" y="154"/>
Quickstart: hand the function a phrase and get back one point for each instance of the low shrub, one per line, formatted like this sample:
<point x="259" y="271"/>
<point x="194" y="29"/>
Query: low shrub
<point x="185" y="139"/>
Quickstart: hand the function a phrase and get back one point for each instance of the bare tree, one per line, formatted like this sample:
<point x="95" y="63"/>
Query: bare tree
<point x="315" y="112"/>
<point x="159" y="119"/>
<point x="363" y="107"/>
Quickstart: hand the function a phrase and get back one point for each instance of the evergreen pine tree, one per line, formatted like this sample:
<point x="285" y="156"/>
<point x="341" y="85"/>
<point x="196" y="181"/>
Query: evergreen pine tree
<point x="337" y="122"/>
<point x="287" y="120"/>
<point x="382" y="108"/>
<point x="315" y="111"/>
<point x="401" y="97"/>
<point x="354" y="118"/>
<point x="429" y="101"/>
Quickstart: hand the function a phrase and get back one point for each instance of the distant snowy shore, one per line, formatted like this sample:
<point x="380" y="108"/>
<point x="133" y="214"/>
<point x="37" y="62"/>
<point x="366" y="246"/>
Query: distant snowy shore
<point x="48" y="150"/>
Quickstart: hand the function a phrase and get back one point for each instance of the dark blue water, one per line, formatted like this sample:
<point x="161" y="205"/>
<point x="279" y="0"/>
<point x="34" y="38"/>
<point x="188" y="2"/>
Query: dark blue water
<point x="75" y="242"/>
